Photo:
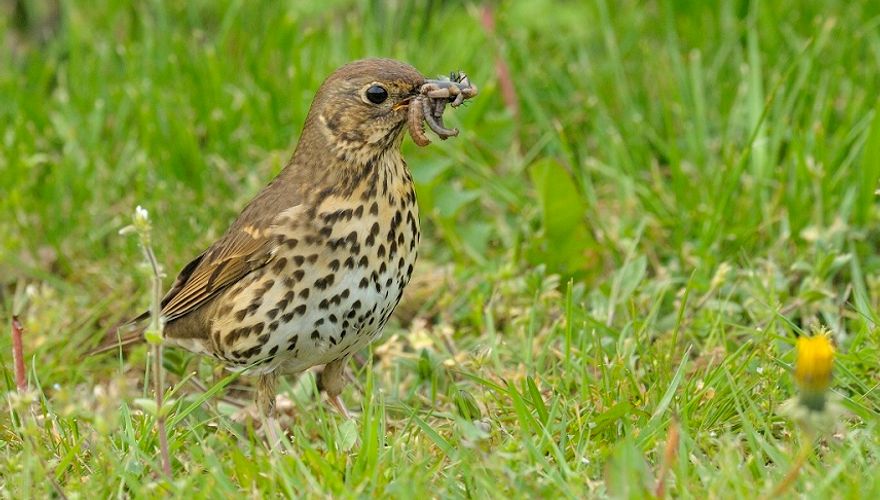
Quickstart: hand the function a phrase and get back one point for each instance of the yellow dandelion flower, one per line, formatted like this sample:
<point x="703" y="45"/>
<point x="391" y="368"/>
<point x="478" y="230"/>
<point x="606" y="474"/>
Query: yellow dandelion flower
<point x="812" y="371"/>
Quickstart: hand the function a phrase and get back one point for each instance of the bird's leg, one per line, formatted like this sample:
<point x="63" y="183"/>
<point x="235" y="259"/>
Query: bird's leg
<point x="332" y="380"/>
<point x="266" y="388"/>
<point x="266" y="394"/>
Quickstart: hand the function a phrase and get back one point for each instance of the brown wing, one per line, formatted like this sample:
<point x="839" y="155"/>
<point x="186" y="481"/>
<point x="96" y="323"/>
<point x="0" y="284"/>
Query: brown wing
<point x="242" y="250"/>
<point x="247" y="246"/>
<point x="239" y="252"/>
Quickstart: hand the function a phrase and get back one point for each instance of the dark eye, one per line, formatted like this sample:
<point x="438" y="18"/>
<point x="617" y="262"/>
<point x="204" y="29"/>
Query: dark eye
<point x="377" y="94"/>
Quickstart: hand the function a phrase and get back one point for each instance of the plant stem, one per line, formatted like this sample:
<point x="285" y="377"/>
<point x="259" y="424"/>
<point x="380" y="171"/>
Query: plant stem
<point x="670" y="453"/>
<point x="158" y="381"/>
<point x="18" y="355"/>
<point x="795" y="470"/>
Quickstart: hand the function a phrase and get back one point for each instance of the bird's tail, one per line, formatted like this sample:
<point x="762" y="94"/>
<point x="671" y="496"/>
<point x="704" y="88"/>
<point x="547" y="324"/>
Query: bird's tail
<point x="116" y="339"/>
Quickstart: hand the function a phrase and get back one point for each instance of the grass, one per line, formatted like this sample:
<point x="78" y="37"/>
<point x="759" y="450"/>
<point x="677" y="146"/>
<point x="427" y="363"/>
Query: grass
<point x="623" y="254"/>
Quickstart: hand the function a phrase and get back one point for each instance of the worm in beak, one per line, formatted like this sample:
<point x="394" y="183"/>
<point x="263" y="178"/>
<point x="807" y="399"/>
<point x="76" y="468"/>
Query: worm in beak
<point x="428" y="106"/>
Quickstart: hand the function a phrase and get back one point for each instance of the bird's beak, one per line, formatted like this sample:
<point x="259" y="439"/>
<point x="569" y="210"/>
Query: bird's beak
<point x="402" y="104"/>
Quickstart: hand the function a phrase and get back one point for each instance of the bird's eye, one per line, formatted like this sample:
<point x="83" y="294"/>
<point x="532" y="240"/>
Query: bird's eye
<point x="377" y="94"/>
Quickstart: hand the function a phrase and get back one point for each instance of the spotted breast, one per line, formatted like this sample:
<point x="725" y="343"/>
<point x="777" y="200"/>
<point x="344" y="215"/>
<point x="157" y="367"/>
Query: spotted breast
<point x="337" y="271"/>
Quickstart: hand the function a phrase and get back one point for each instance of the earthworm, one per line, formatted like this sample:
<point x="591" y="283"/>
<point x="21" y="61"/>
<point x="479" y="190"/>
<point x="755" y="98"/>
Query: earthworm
<point x="429" y="104"/>
<point x="416" y="122"/>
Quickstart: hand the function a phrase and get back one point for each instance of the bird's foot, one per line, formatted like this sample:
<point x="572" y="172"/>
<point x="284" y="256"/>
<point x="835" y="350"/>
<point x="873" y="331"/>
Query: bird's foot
<point x="336" y="401"/>
<point x="272" y="432"/>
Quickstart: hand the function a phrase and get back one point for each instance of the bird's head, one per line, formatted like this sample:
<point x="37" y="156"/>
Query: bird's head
<point x="361" y="109"/>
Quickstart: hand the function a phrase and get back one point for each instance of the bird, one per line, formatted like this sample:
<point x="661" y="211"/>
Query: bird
<point x="314" y="265"/>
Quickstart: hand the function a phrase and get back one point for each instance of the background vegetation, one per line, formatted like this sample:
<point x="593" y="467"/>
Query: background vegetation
<point x="646" y="204"/>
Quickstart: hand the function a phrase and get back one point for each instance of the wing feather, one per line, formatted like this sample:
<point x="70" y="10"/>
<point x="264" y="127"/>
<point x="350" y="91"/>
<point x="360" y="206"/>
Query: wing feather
<point x="247" y="246"/>
<point x="226" y="262"/>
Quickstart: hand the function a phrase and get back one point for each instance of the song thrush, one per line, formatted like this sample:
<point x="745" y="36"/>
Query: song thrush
<point x="314" y="265"/>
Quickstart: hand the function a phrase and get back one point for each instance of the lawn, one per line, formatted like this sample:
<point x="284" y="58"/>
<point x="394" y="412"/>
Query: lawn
<point x="648" y="203"/>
